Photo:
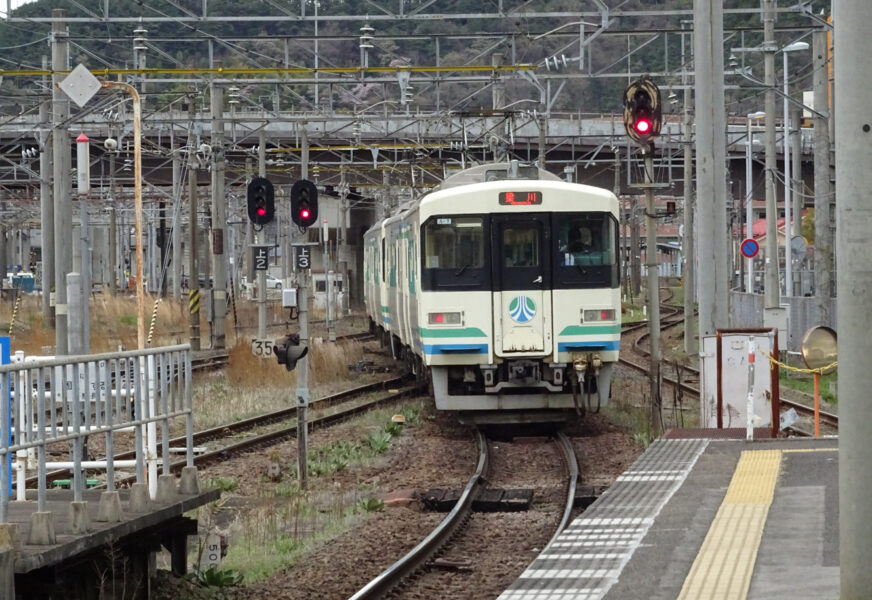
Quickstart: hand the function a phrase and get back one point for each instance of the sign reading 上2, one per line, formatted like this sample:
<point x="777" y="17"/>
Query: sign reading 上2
<point x="260" y="256"/>
<point x="520" y="198"/>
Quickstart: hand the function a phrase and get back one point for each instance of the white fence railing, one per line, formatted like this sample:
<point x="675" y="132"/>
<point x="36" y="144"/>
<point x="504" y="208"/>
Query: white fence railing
<point x="62" y="402"/>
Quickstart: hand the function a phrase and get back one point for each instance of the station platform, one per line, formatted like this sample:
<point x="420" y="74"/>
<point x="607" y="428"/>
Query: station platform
<point x="77" y="565"/>
<point x="703" y="519"/>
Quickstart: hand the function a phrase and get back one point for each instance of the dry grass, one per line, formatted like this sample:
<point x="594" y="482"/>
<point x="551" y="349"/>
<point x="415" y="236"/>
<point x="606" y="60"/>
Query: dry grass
<point x="113" y="323"/>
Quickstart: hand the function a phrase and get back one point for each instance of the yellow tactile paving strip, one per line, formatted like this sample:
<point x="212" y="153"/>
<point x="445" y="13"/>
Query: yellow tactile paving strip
<point x="722" y="569"/>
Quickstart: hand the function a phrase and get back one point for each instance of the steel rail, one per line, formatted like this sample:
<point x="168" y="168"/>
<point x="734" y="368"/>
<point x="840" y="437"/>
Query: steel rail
<point x="408" y="564"/>
<point x="251" y="423"/>
<point x="572" y="467"/>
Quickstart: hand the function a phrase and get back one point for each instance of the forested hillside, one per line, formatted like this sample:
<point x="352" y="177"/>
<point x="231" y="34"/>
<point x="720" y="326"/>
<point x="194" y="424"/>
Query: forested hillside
<point x="270" y="43"/>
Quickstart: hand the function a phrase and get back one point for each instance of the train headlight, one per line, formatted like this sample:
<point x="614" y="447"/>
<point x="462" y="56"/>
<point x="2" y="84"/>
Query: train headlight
<point x="597" y="315"/>
<point x="445" y="318"/>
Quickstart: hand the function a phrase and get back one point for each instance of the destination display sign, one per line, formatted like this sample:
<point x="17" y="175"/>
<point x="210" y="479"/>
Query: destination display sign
<point x="520" y="198"/>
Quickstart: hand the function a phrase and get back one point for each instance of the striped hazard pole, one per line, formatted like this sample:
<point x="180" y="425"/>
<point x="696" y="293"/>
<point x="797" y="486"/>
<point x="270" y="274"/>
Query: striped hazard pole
<point x="14" y="313"/>
<point x="194" y="309"/>
<point x="153" y="321"/>
<point x="749" y="417"/>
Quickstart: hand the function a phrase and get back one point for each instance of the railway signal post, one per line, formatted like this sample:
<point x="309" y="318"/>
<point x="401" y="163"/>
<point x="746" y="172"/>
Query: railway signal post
<point x="261" y="210"/>
<point x="304" y="212"/>
<point x="642" y="118"/>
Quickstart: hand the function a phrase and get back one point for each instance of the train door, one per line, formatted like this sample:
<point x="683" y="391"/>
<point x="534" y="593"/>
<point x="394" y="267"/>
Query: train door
<point x="522" y="299"/>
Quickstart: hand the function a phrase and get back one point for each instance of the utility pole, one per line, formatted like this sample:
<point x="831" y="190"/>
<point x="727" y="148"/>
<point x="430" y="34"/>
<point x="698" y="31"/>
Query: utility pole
<point x="193" y="274"/>
<point x="653" y="270"/>
<point x="824" y="265"/>
<point x="63" y="213"/>
<point x="116" y="270"/>
<point x="219" y="220"/>
<point x="177" y="220"/>
<point x="688" y="245"/>
<point x="82" y="319"/>
<point x="302" y="391"/>
<point x="853" y="82"/>
<point x="772" y="289"/>
<point x="46" y="208"/>
<point x="713" y="265"/>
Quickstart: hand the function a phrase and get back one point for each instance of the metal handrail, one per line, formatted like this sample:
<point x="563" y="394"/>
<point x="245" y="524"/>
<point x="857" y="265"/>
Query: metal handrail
<point x="96" y="394"/>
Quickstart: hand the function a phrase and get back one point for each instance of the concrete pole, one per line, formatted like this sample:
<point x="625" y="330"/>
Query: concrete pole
<point x="342" y="235"/>
<point x="498" y="90"/>
<point x="796" y="181"/>
<point x="543" y="132"/>
<point x="653" y="268"/>
<point x="46" y="208"/>
<point x="302" y="392"/>
<point x="193" y="270"/>
<point x="772" y="288"/>
<point x="788" y="201"/>
<point x="177" y="220"/>
<point x="74" y="285"/>
<point x="688" y="249"/>
<point x="63" y="213"/>
<point x="823" y="203"/>
<point x="219" y="220"/>
<point x="116" y="272"/>
<point x="87" y="279"/>
<point x="635" y="249"/>
<point x="247" y="259"/>
<point x="711" y="160"/>
<point x="853" y="79"/>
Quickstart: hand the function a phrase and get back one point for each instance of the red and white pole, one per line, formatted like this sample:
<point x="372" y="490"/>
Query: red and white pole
<point x="83" y="164"/>
<point x="749" y="408"/>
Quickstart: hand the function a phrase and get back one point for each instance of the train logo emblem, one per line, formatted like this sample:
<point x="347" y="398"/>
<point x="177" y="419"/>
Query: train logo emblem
<point x="522" y="309"/>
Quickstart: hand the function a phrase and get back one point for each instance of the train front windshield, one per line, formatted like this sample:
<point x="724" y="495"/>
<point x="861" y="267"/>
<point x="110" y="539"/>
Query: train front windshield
<point x="586" y="250"/>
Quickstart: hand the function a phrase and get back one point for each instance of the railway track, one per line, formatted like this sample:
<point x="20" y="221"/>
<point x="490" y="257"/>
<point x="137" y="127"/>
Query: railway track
<point x="688" y="377"/>
<point x="282" y="425"/>
<point x="437" y="565"/>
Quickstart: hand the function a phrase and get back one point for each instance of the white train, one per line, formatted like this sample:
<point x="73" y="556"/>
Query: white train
<point x="502" y="284"/>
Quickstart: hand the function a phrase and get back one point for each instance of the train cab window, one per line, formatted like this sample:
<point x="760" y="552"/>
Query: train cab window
<point x="454" y="253"/>
<point x="521" y="246"/>
<point x="586" y="247"/>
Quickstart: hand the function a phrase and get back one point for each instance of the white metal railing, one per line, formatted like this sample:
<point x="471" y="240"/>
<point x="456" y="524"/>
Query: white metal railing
<point x="70" y="398"/>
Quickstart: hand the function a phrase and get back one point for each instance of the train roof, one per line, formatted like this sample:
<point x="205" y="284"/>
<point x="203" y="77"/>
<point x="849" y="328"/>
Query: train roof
<point x="495" y="172"/>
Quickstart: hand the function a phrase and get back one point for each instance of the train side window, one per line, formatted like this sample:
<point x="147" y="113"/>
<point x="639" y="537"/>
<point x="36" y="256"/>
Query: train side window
<point x="383" y="259"/>
<point x="454" y="242"/>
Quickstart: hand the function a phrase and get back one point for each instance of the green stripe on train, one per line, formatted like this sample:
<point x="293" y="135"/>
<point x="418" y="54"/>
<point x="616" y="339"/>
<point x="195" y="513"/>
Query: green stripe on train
<point x="590" y="329"/>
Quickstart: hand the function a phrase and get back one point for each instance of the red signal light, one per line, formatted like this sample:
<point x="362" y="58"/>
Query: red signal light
<point x="304" y="214"/>
<point x="261" y="211"/>
<point x="643" y="126"/>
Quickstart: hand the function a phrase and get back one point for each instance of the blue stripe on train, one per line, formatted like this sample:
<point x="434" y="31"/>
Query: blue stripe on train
<point x="455" y="348"/>
<point x="593" y="345"/>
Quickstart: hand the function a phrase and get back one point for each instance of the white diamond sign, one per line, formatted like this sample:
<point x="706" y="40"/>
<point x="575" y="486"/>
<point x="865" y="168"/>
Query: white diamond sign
<point x="80" y="85"/>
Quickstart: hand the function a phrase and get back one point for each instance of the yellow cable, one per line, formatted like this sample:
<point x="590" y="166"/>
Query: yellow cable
<point x="820" y="370"/>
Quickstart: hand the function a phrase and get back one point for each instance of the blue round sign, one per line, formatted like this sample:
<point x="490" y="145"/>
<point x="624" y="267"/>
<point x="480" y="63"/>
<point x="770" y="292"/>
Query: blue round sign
<point x="750" y="248"/>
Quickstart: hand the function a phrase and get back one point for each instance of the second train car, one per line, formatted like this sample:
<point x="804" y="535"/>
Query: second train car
<point x="503" y="285"/>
